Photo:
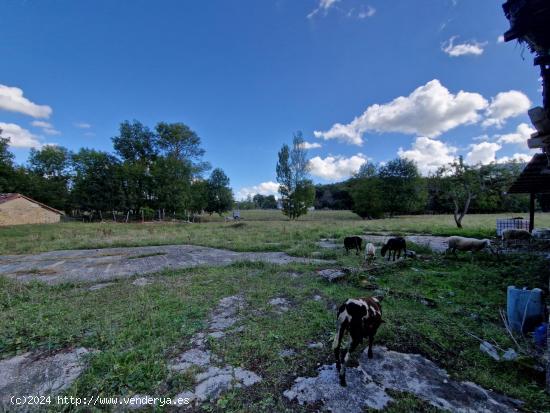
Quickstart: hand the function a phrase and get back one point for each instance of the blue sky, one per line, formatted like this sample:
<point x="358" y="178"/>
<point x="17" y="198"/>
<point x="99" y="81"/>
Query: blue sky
<point x="367" y="80"/>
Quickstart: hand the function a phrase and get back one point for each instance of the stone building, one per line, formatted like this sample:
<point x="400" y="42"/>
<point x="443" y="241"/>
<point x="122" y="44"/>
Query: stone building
<point x="16" y="209"/>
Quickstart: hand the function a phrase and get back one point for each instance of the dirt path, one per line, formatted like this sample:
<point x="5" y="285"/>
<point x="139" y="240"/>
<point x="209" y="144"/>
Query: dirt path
<point x="56" y="267"/>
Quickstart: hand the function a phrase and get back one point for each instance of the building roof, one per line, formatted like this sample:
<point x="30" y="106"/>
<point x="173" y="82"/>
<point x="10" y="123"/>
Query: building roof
<point x="535" y="177"/>
<point x="6" y="197"/>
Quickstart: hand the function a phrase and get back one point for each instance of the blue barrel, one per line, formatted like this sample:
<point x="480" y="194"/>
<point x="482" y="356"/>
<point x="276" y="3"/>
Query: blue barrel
<point x="525" y="309"/>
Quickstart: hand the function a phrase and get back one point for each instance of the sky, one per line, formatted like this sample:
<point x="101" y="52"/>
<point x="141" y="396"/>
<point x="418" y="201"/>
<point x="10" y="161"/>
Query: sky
<point x="364" y="80"/>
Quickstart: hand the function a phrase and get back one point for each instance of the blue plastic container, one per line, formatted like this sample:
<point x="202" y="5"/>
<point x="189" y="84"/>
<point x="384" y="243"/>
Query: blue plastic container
<point x="540" y="335"/>
<point x="525" y="309"/>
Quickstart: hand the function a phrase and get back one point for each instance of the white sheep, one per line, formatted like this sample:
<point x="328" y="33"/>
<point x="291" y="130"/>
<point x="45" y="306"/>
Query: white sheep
<point x="467" y="244"/>
<point x="370" y="253"/>
<point x="515" y="235"/>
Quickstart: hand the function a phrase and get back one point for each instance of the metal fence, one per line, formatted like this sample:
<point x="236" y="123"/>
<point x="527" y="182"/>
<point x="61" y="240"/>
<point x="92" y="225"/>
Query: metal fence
<point x="511" y="223"/>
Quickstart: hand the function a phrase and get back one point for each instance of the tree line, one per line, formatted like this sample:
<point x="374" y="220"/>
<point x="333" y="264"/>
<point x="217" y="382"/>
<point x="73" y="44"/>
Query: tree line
<point x="397" y="188"/>
<point x="153" y="173"/>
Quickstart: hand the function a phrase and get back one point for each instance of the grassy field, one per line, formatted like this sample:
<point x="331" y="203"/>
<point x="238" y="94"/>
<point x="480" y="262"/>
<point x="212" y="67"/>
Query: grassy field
<point x="258" y="231"/>
<point x="136" y="330"/>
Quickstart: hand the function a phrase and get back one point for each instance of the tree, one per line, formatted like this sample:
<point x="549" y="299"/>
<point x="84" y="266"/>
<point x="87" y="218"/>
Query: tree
<point x="402" y="186"/>
<point x="459" y="184"/>
<point x="6" y="164"/>
<point x="97" y="183"/>
<point x="177" y="140"/>
<point x="297" y="191"/>
<point x="136" y="146"/>
<point x="171" y="184"/>
<point x="367" y="198"/>
<point x="50" y="165"/>
<point x="199" y="197"/>
<point x="220" y="197"/>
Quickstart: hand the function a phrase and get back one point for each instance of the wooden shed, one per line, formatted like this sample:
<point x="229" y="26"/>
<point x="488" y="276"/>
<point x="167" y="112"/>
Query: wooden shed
<point x="534" y="179"/>
<point x="17" y="209"/>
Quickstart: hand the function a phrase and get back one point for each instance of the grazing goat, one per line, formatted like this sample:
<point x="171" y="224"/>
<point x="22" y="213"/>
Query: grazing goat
<point x="515" y="235"/>
<point x="370" y="253"/>
<point x="395" y="245"/>
<point x="361" y="318"/>
<point x="353" y="243"/>
<point x="467" y="244"/>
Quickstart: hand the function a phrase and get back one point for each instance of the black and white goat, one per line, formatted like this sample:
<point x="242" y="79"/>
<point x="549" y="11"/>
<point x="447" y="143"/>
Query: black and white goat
<point x="361" y="318"/>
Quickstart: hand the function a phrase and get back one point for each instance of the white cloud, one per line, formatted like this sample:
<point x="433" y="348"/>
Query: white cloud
<point x="12" y="99"/>
<point x="462" y="49"/>
<point x="429" y="154"/>
<point x="334" y="168"/>
<point x="265" y="188"/>
<point x="519" y="137"/>
<point x="483" y="153"/>
<point x="310" y="145"/>
<point x="82" y="125"/>
<point x="517" y="157"/>
<point x="429" y="111"/>
<point x="19" y="137"/>
<point x="47" y="127"/>
<point x="500" y="39"/>
<point x="506" y="105"/>
<point x="324" y="6"/>
<point x="366" y="13"/>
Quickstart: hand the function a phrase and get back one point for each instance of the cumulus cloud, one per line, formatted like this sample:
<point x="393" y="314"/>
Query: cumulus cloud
<point x="517" y="157"/>
<point x="19" y="137"/>
<point x="82" y="125"/>
<point x="333" y="168"/>
<point x="519" y="137"/>
<point x="46" y="127"/>
<point x="462" y="49"/>
<point x="506" y="105"/>
<point x="311" y="145"/>
<point x="429" y="154"/>
<point x="265" y="188"/>
<point x="324" y="6"/>
<point x="429" y="111"/>
<point x="12" y="99"/>
<point x="482" y="153"/>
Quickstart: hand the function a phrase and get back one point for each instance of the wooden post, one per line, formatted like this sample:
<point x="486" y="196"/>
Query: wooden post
<point x="531" y="212"/>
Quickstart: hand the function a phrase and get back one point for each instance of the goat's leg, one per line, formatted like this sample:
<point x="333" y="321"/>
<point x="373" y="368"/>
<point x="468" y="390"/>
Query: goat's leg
<point x="345" y="359"/>
<point x="371" y="339"/>
<point x="399" y="253"/>
<point x="340" y="330"/>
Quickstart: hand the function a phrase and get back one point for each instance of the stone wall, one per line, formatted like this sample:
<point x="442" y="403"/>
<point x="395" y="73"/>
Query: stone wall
<point x="22" y="211"/>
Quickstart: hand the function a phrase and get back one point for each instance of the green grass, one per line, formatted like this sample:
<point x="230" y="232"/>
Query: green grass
<point x="259" y="231"/>
<point x="137" y="330"/>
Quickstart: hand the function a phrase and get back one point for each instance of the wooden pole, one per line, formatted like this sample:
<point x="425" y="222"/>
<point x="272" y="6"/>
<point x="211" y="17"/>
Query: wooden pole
<point x="531" y="212"/>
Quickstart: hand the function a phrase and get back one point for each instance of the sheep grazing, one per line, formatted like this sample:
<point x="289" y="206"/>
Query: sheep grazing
<point x="467" y="244"/>
<point x="395" y="245"/>
<point x="353" y="243"/>
<point x="361" y="318"/>
<point x="516" y="235"/>
<point x="370" y="253"/>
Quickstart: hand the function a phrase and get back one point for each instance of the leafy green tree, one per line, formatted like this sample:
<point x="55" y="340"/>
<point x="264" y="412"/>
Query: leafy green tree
<point x="459" y="184"/>
<point x="297" y="191"/>
<point x="220" y="196"/>
<point x="51" y="167"/>
<point x="97" y="182"/>
<point x="136" y="145"/>
<point x="403" y="188"/>
<point x="171" y="184"/>
<point x="199" y="197"/>
<point x="6" y="164"/>
<point x="367" y="198"/>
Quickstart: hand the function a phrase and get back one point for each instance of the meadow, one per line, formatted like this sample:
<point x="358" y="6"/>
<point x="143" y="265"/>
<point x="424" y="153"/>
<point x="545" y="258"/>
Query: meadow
<point x="136" y="330"/>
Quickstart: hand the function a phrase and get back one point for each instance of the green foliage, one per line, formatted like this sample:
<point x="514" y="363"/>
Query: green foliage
<point x="403" y="188"/>
<point x="264" y="201"/>
<point x="367" y="198"/>
<point x="220" y="197"/>
<point x="297" y="191"/>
